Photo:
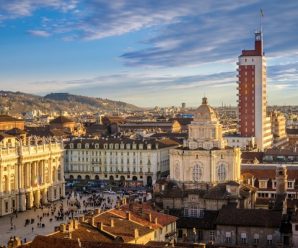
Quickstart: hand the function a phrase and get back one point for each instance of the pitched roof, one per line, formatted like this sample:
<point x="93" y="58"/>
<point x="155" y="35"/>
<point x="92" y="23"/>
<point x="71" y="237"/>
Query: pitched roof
<point x="249" y="157"/>
<point x="249" y="217"/>
<point x="116" y="140"/>
<point x="206" y="222"/>
<point x="268" y="171"/>
<point x="8" y="118"/>
<point x="61" y="120"/>
<point x="140" y="214"/>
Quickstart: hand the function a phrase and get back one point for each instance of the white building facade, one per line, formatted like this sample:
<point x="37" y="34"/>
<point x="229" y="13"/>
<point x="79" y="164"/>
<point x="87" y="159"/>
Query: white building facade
<point x="126" y="161"/>
<point x="31" y="173"/>
<point x="204" y="157"/>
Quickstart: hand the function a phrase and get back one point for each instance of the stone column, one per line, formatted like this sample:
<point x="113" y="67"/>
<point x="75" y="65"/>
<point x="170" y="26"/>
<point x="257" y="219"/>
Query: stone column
<point x="44" y="196"/>
<point x="32" y="173"/>
<point x="37" y="198"/>
<point x="31" y="200"/>
<point x="63" y="189"/>
<point x="51" y="193"/>
<point x="50" y="169"/>
<point x="28" y="175"/>
<point x="22" y="202"/>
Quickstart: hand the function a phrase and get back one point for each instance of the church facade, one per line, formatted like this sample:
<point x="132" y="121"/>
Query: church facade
<point x="204" y="159"/>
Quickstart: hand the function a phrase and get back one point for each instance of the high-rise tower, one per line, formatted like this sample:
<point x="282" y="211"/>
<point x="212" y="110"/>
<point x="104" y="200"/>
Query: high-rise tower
<point x="252" y="101"/>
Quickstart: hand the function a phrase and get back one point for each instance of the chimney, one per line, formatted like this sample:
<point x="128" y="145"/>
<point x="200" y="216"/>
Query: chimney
<point x="150" y="217"/>
<point x="92" y="221"/>
<point x="136" y="233"/>
<point x="156" y="220"/>
<point x="112" y="222"/>
<point x="281" y="180"/>
<point x="100" y="226"/>
<point x="97" y="211"/>
<point x="62" y="228"/>
<point x="75" y="224"/>
<point x="128" y="215"/>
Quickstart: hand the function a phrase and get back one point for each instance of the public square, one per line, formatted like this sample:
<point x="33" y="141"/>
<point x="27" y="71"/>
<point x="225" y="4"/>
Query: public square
<point x="42" y="221"/>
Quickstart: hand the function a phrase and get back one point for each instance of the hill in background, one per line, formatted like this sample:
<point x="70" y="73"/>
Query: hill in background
<point x="16" y="103"/>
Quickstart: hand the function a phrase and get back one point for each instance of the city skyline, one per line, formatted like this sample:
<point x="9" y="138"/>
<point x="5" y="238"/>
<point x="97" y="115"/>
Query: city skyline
<point x="169" y="52"/>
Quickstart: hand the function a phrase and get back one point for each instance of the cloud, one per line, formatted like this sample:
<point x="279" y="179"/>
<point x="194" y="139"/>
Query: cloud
<point x="15" y="8"/>
<point x="218" y="35"/>
<point x="39" y="33"/>
<point x="168" y="87"/>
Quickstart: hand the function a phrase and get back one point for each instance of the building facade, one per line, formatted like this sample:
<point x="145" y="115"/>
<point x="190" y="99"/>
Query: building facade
<point x="31" y="173"/>
<point x="126" y="161"/>
<point x="8" y="122"/>
<point x="252" y="95"/>
<point x="265" y="178"/>
<point x="278" y="124"/>
<point x="204" y="157"/>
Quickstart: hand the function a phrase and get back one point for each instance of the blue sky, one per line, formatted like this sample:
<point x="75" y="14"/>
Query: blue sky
<point x="146" y="52"/>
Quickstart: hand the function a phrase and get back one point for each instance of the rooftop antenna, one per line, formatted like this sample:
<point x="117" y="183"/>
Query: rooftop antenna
<point x="261" y="20"/>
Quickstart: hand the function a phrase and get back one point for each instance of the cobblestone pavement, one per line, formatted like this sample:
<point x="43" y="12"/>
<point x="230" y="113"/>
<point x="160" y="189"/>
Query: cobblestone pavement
<point x="12" y="225"/>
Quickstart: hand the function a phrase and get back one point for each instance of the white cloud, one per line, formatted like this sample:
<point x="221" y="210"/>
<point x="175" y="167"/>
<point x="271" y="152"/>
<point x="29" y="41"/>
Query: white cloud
<point x="39" y="33"/>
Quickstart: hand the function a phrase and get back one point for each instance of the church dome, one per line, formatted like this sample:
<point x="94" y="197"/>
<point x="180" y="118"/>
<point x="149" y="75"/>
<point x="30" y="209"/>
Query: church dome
<point x="205" y="113"/>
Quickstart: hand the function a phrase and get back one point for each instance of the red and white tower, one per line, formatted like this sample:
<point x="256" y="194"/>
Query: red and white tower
<point x="252" y="101"/>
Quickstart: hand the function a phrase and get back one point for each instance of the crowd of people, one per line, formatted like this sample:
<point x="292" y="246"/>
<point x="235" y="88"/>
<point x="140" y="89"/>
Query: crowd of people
<point x="74" y="205"/>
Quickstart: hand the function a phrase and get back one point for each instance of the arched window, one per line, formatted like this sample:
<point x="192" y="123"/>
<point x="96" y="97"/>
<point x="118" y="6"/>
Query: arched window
<point x="197" y="173"/>
<point x="221" y="172"/>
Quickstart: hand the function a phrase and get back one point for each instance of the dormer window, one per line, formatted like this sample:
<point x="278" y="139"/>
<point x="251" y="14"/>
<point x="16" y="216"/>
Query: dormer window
<point x="86" y="146"/>
<point x="79" y="145"/>
<point x="263" y="183"/>
<point x="291" y="184"/>
<point x="71" y="145"/>
<point x="111" y="146"/>
<point x="105" y="146"/>
<point x="96" y="146"/>
<point x="128" y="146"/>
<point x="141" y="146"/>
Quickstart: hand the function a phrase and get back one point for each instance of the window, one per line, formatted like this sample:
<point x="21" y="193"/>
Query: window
<point x="269" y="239"/>
<point x="228" y="237"/>
<point x="262" y="184"/>
<point x="256" y="239"/>
<point x="221" y="172"/>
<point x="212" y="236"/>
<point x="197" y="173"/>
<point x="290" y="185"/>
<point x="296" y="227"/>
<point x="243" y="238"/>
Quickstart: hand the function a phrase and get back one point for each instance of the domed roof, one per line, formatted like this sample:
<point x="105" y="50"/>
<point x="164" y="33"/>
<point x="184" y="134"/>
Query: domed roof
<point x="205" y="112"/>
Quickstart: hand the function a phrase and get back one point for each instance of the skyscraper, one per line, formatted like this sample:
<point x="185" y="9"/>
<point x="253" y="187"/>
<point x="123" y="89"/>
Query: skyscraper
<point x="252" y="101"/>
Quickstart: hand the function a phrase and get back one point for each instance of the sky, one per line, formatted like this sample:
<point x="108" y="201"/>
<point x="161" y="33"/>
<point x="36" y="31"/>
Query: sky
<point x="146" y="52"/>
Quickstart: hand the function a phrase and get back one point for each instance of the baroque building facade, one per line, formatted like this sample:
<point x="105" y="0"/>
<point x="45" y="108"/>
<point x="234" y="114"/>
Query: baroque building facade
<point x="122" y="160"/>
<point x="31" y="173"/>
<point x="204" y="159"/>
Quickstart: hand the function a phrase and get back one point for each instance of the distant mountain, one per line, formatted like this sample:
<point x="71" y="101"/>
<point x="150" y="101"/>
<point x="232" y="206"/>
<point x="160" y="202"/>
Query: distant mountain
<point x="18" y="102"/>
